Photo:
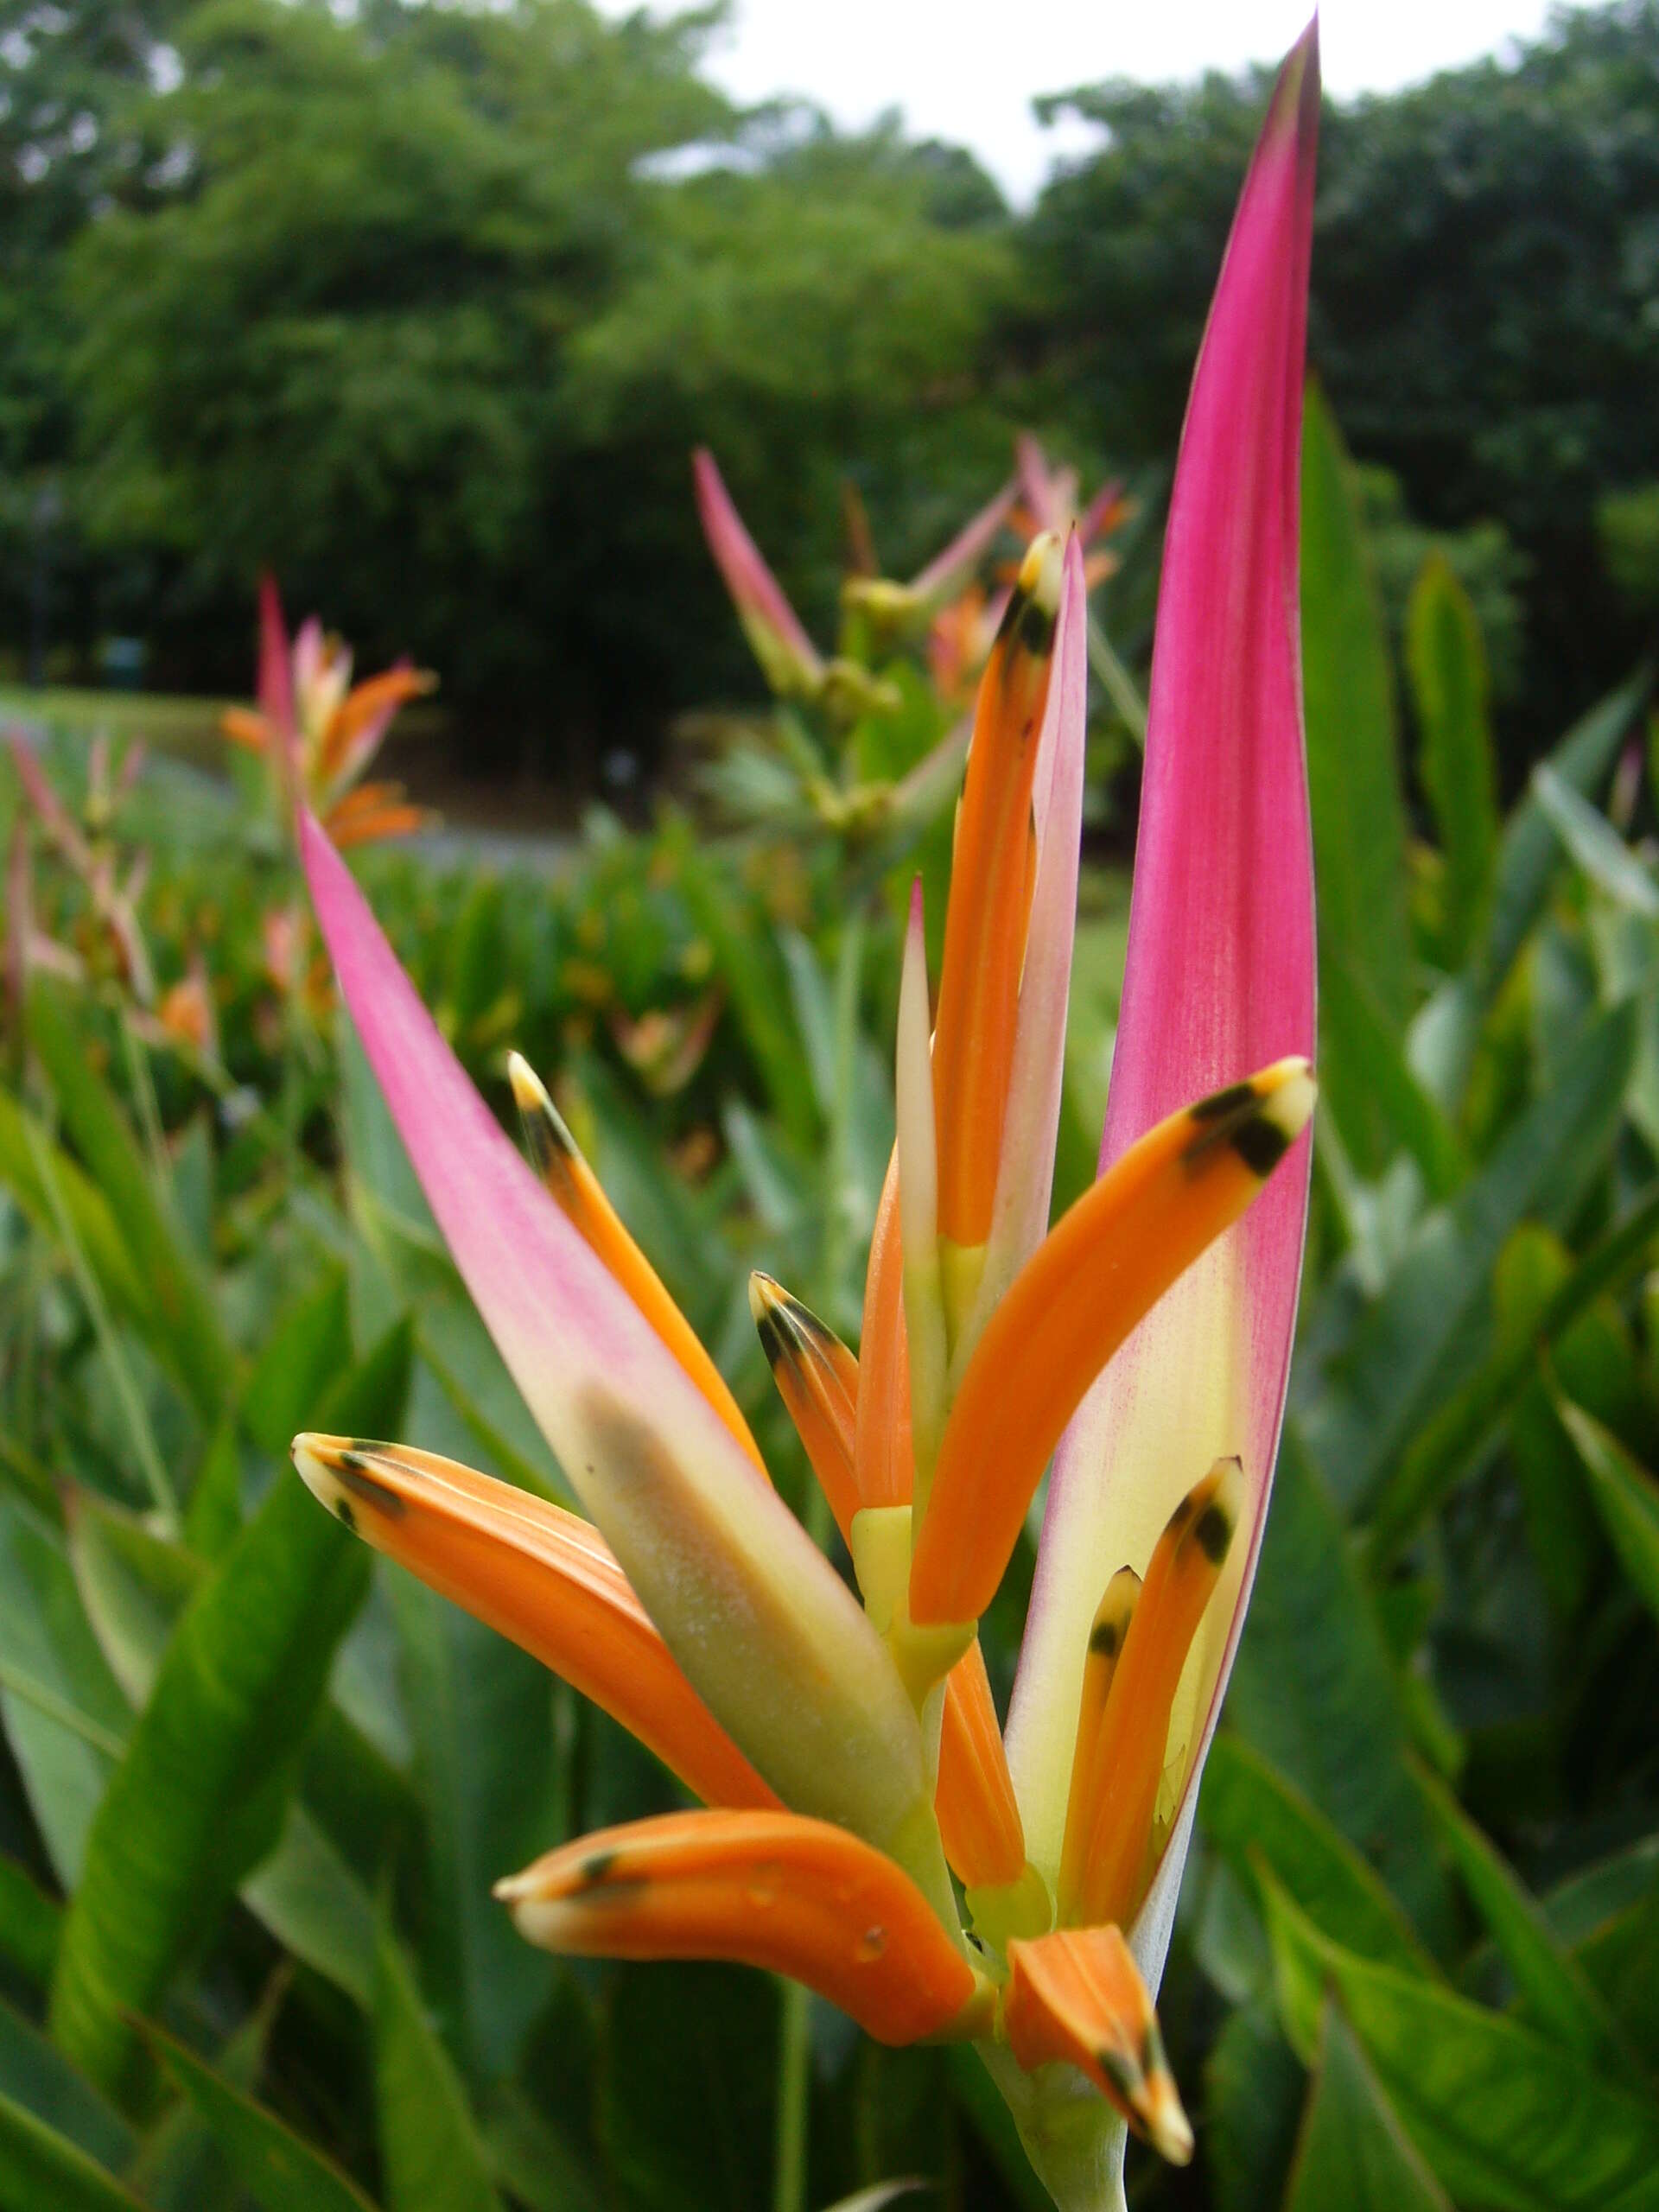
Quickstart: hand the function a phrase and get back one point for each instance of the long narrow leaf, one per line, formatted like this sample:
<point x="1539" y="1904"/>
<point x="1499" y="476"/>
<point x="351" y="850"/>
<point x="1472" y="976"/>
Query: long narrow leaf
<point x="430" y="2152"/>
<point x="198" y="1798"/>
<point x="188" y="1330"/>
<point x="279" y="2168"/>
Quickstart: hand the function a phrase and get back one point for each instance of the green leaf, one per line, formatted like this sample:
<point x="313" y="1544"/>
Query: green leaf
<point x="1505" y="2119"/>
<point x="1313" y="1692"/>
<point x="1353" y="780"/>
<point x="315" y="1906"/>
<point x="1253" y="2088"/>
<point x="42" y="2079"/>
<point x="481" y="1711"/>
<point x="1626" y="1496"/>
<point x="1595" y="845"/>
<point x="1353" y="2155"/>
<point x="28" y="1923"/>
<point x="430" y="2151"/>
<point x="1554" y="1991"/>
<point x="198" y="1798"/>
<point x="184" y="1320"/>
<point x="39" y="2169"/>
<point x="1449" y="1443"/>
<point x="66" y="1718"/>
<point x="1417" y="1342"/>
<point x="1530" y="852"/>
<point x="1447" y="665"/>
<point x="308" y="1345"/>
<point x="22" y="1144"/>
<point x="746" y="961"/>
<point x="279" y="2170"/>
<point x="1253" y="1814"/>
<point x="1399" y="1111"/>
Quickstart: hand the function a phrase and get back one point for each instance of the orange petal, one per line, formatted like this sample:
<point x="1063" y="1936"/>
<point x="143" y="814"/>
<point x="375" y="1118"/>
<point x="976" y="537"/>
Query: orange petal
<point x="1116" y="1846"/>
<point x="818" y="1380"/>
<point x="821" y="1383"/>
<point x="380" y="696"/>
<point x="984" y="932"/>
<point x="883" y="1455"/>
<point x="984" y="1837"/>
<point x="537" y="1574"/>
<point x="1077" y="1996"/>
<point x="243" y="727"/>
<point x="1093" y="1278"/>
<point x="1111" y="1625"/>
<point x="581" y="1198"/>
<point x="798" y="1896"/>
<point x="372" y="812"/>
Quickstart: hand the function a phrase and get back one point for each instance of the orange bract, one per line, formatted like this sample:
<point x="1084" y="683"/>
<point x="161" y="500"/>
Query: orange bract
<point x="990" y="889"/>
<point x="798" y="1896"/>
<point x="542" y="1577"/>
<point x="1077" y="1996"/>
<point x="1096" y="1275"/>
<point x="581" y="1198"/>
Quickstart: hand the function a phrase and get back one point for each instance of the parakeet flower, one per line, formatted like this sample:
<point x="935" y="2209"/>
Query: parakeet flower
<point x="322" y="731"/>
<point x="845" y="1743"/>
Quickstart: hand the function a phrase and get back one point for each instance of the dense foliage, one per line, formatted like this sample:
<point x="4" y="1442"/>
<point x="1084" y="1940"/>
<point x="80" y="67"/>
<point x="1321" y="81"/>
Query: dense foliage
<point x="254" y="1786"/>
<point x="424" y="306"/>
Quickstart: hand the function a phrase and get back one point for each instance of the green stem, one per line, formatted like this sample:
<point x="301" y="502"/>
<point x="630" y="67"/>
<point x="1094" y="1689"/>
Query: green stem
<point x="794" y="2082"/>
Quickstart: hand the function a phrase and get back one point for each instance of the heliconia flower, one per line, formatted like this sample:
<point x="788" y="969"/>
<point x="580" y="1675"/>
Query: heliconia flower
<point x="1048" y="500"/>
<point x="321" y="732"/>
<point x="789" y="660"/>
<point x="848" y="1753"/>
<point x="89" y="852"/>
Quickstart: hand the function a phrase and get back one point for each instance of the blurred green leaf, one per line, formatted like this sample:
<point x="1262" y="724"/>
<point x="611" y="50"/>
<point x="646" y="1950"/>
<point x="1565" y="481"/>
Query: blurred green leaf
<point x="749" y="961"/>
<point x="1417" y="1342"/>
<point x="686" y="2122"/>
<point x="1254" y="2086"/>
<point x="1626" y="1496"/>
<point x="184" y="1319"/>
<point x="1313" y="1693"/>
<point x="23" y="1142"/>
<point x="1504" y="2117"/>
<point x="43" y="2082"/>
<point x="28" y="1923"/>
<point x="1556" y="1992"/>
<point x="198" y="1798"/>
<point x="1449" y="1443"/>
<point x="1447" y="664"/>
<point x="279" y="2170"/>
<point x="1352" y="2155"/>
<point x="1252" y="1814"/>
<point x="65" y="1717"/>
<point x="1353" y="779"/>
<point x="39" y="2169"/>
<point x="482" y="1711"/>
<point x="1595" y="845"/>
<point x="1530" y="853"/>
<point x="1399" y="1112"/>
<point x="430" y="2152"/>
<point x="307" y="1348"/>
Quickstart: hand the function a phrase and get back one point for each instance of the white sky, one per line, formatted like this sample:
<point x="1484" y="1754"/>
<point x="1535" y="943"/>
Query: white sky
<point x="967" y="70"/>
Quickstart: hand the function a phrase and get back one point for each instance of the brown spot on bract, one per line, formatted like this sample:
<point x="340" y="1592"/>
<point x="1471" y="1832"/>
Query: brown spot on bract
<point x="348" y="1471"/>
<point x="1213" y="1533"/>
